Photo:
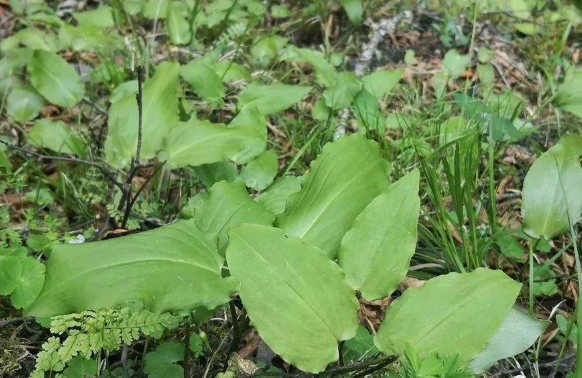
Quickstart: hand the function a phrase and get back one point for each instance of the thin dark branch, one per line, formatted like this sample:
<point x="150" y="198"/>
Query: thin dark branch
<point x="107" y="173"/>
<point x="139" y="99"/>
<point x="6" y="322"/>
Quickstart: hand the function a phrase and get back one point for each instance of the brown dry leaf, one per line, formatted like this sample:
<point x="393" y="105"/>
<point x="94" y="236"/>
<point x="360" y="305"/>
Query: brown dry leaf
<point x="372" y="312"/>
<point x="515" y="153"/>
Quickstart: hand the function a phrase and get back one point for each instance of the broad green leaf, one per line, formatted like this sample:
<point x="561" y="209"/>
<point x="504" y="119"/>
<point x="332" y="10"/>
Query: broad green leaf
<point x="544" y="281"/>
<point x="206" y="83"/>
<point x="270" y="99"/>
<point x="90" y="38"/>
<point x="56" y="136"/>
<point x="22" y="277"/>
<point x="260" y="172"/>
<point x="360" y="347"/>
<point x="55" y="79"/>
<point x="4" y="161"/>
<point x="123" y="90"/>
<point x="517" y="333"/>
<point x="101" y="17"/>
<point x="228" y="206"/>
<point x="375" y="253"/>
<point x="210" y="174"/>
<point x="80" y="367"/>
<point x="509" y="246"/>
<point x="24" y="104"/>
<point x="367" y="111"/>
<point x="160" y="116"/>
<point x="171" y="268"/>
<point x="32" y="38"/>
<point x="230" y="71"/>
<point x="268" y="48"/>
<point x="275" y="197"/>
<point x="199" y="142"/>
<point x="280" y="11"/>
<point x="161" y="363"/>
<point x="551" y="195"/>
<point x="325" y="72"/>
<point x="381" y="82"/>
<point x="354" y="10"/>
<point x="457" y="312"/>
<point x="454" y="63"/>
<point x="342" y="181"/>
<point x="569" y="96"/>
<point x="343" y="90"/>
<point x="176" y="23"/>
<point x="296" y="298"/>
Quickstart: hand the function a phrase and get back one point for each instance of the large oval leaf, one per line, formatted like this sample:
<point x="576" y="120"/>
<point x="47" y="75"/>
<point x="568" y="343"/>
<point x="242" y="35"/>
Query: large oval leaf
<point x="454" y="313"/>
<point x="376" y="252"/>
<point x="517" y="333"/>
<point x="551" y="196"/>
<point x="170" y="268"/>
<point x="56" y="136"/>
<point x="297" y="299"/>
<point x="569" y="96"/>
<point x="270" y="99"/>
<point x="55" y="79"/>
<point x="229" y="205"/>
<point x="160" y="115"/>
<point x="201" y="142"/>
<point x="343" y="180"/>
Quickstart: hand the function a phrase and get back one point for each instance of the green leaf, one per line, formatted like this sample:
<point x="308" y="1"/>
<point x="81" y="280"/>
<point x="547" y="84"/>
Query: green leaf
<point x="544" y="281"/>
<point x="102" y="17"/>
<point x="275" y="197"/>
<point x="260" y="172"/>
<point x="160" y="116"/>
<point x="196" y="345"/>
<point x="325" y="72"/>
<point x="367" y="111"/>
<point x="89" y="275"/>
<point x="80" y="367"/>
<point x="551" y="196"/>
<point x="206" y="83"/>
<point x="228" y="206"/>
<point x="509" y="246"/>
<point x="343" y="180"/>
<point x="22" y="277"/>
<point x="343" y="90"/>
<point x="296" y="298"/>
<point x="56" y="136"/>
<point x="24" y="104"/>
<point x="55" y="79"/>
<point x="517" y="333"/>
<point x="375" y="253"/>
<point x="354" y="10"/>
<point x="454" y="63"/>
<point x="268" y="48"/>
<point x="162" y="362"/>
<point x="270" y="99"/>
<point x="569" y="96"/>
<point x="177" y="23"/>
<point x="380" y="83"/>
<point x="360" y="347"/>
<point x="199" y="142"/>
<point x="280" y="11"/>
<point x="230" y="71"/>
<point x="210" y="174"/>
<point x="4" y="161"/>
<point x="457" y="312"/>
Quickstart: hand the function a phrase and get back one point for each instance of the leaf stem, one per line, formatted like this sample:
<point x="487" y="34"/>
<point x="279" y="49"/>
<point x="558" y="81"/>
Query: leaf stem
<point x="578" y="312"/>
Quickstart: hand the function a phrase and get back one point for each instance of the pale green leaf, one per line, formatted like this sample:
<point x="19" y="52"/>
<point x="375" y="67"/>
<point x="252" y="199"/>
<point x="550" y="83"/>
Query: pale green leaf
<point x="22" y="277"/>
<point x="177" y="24"/>
<point x="55" y="79"/>
<point x="24" y="104"/>
<point x="268" y="48"/>
<point x="228" y="206"/>
<point x="270" y="99"/>
<point x="161" y="363"/>
<point x="230" y="71"/>
<point x="260" y="172"/>
<point x="454" y="63"/>
<point x="375" y="253"/>
<point x="199" y="142"/>
<point x="160" y="116"/>
<point x="206" y="83"/>
<point x="171" y="268"/>
<point x="343" y="180"/>
<point x="454" y="313"/>
<point x="569" y="95"/>
<point x="380" y="83"/>
<point x="354" y="10"/>
<point x="325" y="72"/>
<point x="367" y="111"/>
<point x="275" y="197"/>
<point x="517" y="333"/>
<point x="343" y="90"/>
<point x="56" y="136"/>
<point x="210" y="174"/>
<point x="4" y="161"/>
<point x="101" y="17"/>
<point x="296" y="298"/>
<point x="280" y="11"/>
<point x="551" y="195"/>
<point x="360" y="347"/>
<point x="80" y="367"/>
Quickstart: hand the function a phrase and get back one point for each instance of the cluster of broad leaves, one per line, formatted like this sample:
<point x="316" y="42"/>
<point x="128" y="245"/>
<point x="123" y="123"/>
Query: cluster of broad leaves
<point x="297" y="254"/>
